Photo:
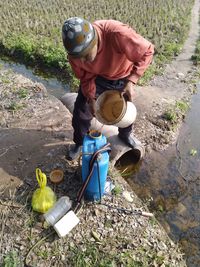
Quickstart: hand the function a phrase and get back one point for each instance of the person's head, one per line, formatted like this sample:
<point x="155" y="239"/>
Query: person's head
<point x="79" y="38"/>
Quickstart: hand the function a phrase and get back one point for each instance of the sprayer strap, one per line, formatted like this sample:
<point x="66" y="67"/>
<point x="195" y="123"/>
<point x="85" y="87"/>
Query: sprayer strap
<point x="91" y="169"/>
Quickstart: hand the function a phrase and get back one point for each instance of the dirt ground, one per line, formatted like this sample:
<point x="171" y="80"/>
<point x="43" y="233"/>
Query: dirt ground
<point x="35" y="132"/>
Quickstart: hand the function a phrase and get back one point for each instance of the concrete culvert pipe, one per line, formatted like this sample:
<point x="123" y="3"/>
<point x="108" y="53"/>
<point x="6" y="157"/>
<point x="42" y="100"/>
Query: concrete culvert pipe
<point x="111" y="132"/>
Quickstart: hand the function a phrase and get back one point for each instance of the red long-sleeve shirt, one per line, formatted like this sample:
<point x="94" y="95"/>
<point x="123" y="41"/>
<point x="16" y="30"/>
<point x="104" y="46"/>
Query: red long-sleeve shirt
<point x="121" y="53"/>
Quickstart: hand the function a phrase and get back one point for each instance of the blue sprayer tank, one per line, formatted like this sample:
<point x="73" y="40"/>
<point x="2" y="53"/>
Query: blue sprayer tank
<point x="91" y="143"/>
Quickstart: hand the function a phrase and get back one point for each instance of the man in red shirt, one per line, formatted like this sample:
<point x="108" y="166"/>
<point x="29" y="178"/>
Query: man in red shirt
<point x="104" y="55"/>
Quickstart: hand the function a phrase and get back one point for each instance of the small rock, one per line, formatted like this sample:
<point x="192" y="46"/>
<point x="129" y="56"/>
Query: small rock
<point x="63" y="257"/>
<point x="21" y="247"/>
<point x="127" y="196"/>
<point x="97" y="212"/>
<point x="180" y="75"/>
<point x="95" y="235"/>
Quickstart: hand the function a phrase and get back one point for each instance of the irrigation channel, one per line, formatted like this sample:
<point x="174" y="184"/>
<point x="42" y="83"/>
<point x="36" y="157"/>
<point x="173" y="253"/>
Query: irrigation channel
<point x="169" y="180"/>
<point x="53" y="86"/>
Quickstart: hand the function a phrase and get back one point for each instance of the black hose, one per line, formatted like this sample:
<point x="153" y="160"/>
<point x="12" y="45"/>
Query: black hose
<point x="99" y="182"/>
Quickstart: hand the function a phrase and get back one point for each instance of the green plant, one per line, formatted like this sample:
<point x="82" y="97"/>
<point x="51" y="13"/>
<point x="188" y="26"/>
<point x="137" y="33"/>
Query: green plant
<point x="182" y="106"/>
<point x="160" y="208"/>
<point x="149" y="73"/>
<point x="74" y="82"/>
<point x="14" y="106"/>
<point x="193" y="152"/>
<point x="171" y="116"/>
<point x="44" y="254"/>
<point x="31" y="50"/>
<point x="23" y="93"/>
<point x="5" y="80"/>
<point x="153" y="221"/>
<point x="117" y="190"/>
<point x="91" y="256"/>
<point x="171" y="49"/>
<point x="196" y="56"/>
<point x="11" y="260"/>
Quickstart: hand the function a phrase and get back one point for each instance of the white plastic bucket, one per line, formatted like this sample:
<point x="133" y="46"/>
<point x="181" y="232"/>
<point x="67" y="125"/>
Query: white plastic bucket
<point x="113" y="109"/>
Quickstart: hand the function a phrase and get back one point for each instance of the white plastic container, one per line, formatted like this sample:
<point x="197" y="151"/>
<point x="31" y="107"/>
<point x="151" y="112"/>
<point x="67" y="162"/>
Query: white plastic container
<point x="113" y="109"/>
<point x="60" y="208"/>
<point x="66" y="224"/>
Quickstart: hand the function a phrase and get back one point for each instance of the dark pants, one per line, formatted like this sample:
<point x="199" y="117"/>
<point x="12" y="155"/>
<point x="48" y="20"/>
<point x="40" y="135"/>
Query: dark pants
<point x="82" y="116"/>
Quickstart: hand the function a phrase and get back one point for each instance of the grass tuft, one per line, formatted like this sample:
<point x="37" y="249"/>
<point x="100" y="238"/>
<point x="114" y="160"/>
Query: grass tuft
<point x="11" y="260"/>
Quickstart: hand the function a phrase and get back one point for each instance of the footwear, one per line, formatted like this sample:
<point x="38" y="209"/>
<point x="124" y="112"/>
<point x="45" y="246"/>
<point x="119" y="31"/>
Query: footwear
<point x="135" y="144"/>
<point x="74" y="152"/>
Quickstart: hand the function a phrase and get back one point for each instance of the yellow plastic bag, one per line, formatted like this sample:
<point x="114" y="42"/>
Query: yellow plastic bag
<point x="43" y="198"/>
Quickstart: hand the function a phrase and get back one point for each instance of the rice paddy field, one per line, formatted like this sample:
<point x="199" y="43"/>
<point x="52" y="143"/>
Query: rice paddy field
<point x="31" y="30"/>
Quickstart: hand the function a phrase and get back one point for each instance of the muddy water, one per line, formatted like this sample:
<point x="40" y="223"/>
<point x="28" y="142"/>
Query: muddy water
<point x="53" y="86"/>
<point x="170" y="181"/>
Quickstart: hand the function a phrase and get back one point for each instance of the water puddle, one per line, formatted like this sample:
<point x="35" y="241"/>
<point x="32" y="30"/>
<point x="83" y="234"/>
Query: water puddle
<point x="53" y="85"/>
<point x="170" y="181"/>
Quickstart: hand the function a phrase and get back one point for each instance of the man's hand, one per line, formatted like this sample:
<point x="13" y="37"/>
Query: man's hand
<point x="91" y="103"/>
<point x="129" y="91"/>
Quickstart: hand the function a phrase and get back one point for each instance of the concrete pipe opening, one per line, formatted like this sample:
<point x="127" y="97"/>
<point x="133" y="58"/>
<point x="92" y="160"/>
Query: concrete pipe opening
<point x="128" y="163"/>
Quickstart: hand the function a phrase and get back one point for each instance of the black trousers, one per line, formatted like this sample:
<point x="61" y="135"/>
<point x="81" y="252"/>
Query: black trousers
<point x="82" y="116"/>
